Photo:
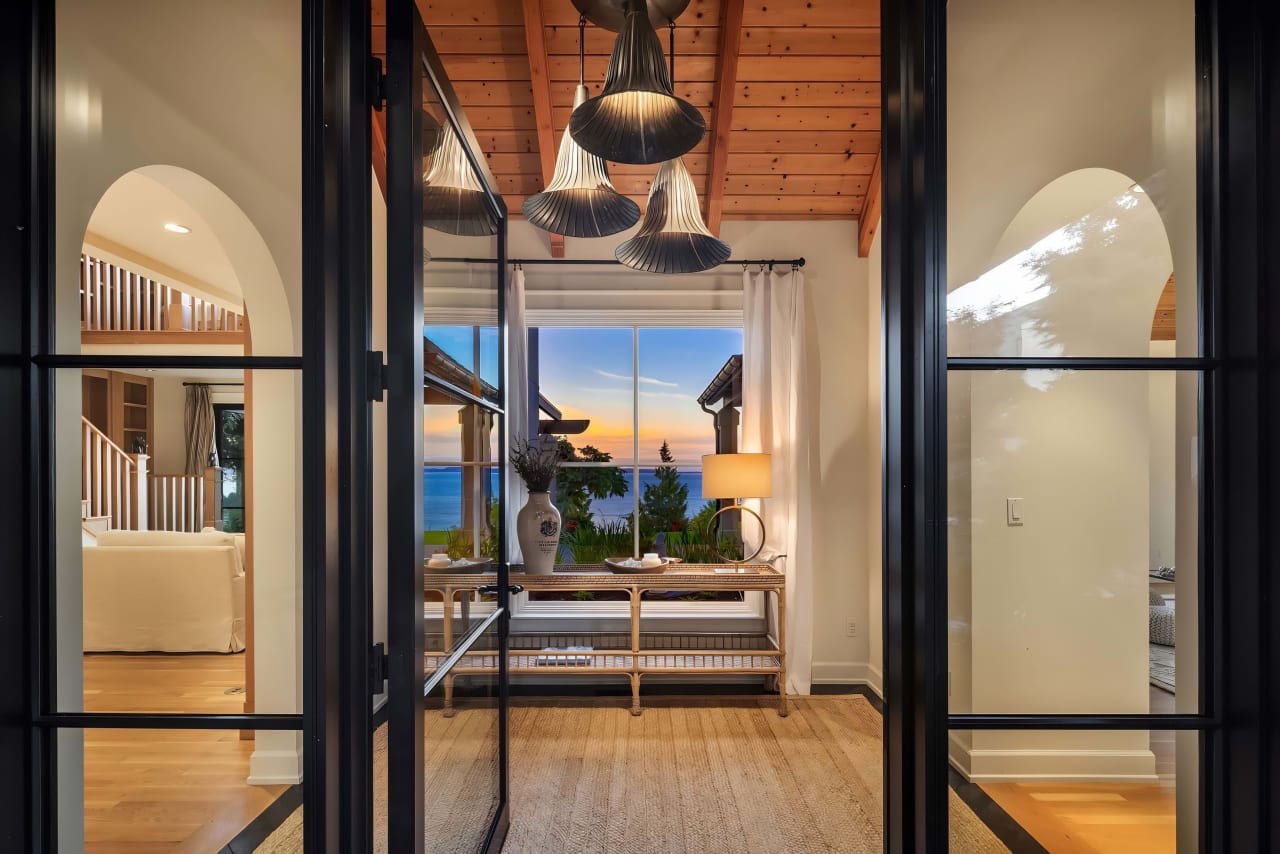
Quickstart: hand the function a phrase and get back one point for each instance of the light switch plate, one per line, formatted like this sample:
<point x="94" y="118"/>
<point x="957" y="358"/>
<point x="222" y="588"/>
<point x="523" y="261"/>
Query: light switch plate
<point x="1013" y="508"/>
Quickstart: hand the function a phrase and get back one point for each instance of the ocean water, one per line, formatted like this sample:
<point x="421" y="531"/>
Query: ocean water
<point x="442" y="496"/>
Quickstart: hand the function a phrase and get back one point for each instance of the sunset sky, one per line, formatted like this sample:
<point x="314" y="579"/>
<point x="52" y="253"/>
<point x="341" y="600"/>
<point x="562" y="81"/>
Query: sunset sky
<point x="587" y="373"/>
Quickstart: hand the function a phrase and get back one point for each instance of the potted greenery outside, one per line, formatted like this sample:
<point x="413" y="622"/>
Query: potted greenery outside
<point x="538" y="522"/>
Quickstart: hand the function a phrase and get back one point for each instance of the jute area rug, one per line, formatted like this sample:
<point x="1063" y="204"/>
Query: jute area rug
<point x="689" y="775"/>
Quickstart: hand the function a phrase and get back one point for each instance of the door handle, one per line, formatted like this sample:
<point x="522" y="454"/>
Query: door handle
<point x="492" y="589"/>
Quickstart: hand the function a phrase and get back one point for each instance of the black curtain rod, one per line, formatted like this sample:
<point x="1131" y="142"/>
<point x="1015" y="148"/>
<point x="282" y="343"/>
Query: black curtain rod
<point x="583" y="262"/>
<point x="238" y="385"/>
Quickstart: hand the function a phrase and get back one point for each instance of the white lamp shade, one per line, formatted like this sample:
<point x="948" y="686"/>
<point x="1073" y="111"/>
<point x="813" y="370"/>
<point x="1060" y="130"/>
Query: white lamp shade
<point x="737" y="476"/>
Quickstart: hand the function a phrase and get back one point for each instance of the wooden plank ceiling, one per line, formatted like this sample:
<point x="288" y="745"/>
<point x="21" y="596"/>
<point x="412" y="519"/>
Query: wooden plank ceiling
<point x="800" y="137"/>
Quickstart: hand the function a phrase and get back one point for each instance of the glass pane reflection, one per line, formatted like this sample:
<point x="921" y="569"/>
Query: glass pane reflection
<point x="1072" y="557"/>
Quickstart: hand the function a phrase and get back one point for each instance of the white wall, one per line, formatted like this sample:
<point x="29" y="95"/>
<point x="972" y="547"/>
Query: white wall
<point x="1057" y="607"/>
<point x="874" y="486"/>
<point x="206" y="99"/>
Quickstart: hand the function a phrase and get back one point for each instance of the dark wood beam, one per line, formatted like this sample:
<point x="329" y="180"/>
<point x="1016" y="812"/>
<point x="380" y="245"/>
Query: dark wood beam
<point x="869" y="219"/>
<point x="540" y="82"/>
<point x="722" y="110"/>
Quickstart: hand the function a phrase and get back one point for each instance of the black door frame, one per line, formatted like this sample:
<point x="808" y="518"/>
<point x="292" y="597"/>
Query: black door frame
<point x="336" y="547"/>
<point x="1239" y="91"/>
<point x="411" y="55"/>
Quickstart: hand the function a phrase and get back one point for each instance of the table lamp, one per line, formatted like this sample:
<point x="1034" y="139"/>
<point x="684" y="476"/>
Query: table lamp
<point x="736" y="476"/>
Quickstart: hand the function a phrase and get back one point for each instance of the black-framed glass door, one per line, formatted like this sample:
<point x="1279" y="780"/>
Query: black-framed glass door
<point x="1078" y="415"/>
<point x="447" y="577"/>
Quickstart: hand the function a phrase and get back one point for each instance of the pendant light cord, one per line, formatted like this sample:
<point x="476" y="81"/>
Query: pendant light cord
<point x="582" y="50"/>
<point x="671" y="26"/>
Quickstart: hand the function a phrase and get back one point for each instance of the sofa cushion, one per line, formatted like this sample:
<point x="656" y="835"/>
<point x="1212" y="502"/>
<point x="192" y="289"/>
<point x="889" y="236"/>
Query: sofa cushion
<point x="173" y="539"/>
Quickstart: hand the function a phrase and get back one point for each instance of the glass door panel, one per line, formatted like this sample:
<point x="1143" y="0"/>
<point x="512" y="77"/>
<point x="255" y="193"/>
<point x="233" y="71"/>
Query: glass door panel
<point x="447" y="621"/>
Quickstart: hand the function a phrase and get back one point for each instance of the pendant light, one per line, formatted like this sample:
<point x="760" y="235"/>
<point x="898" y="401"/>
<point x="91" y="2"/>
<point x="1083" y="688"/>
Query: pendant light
<point x="580" y="201"/>
<point x="452" y="199"/>
<point x="672" y="237"/>
<point x="637" y="118"/>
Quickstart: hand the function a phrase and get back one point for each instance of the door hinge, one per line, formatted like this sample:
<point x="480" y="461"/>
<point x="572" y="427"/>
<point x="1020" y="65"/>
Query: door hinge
<point x="375" y="374"/>
<point x="377" y="84"/>
<point x="379" y="664"/>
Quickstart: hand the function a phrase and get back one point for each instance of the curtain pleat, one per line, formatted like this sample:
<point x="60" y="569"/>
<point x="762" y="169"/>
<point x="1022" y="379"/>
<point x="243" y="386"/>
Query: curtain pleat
<point x="776" y="413"/>
<point x="201" y="443"/>
<point x="517" y="403"/>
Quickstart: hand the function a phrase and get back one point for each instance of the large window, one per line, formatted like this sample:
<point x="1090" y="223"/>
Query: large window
<point x="654" y="401"/>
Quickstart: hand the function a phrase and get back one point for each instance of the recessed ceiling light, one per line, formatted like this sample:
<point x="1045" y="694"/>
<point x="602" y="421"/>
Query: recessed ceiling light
<point x="176" y="229"/>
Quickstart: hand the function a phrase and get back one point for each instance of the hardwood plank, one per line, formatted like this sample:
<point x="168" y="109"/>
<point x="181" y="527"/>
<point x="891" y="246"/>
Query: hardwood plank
<point x="827" y="94"/>
<point x="812" y="13"/>
<point x="804" y="142"/>
<point x="821" y="41"/>
<point x="451" y="40"/>
<point x="723" y="119"/>
<point x="503" y="118"/>
<point x="845" y="206"/>
<point x="800" y="164"/>
<point x="808" y="69"/>
<point x="543" y="114"/>
<point x="487" y="67"/>
<point x="441" y="14"/>
<point x="795" y="185"/>
<point x="494" y="93"/>
<point x="1164" y="326"/>
<point x="166" y="790"/>
<point x="805" y="118"/>
<point x="869" y="216"/>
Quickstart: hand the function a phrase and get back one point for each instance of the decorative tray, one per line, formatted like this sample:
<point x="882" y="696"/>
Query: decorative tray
<point x="465" y="566"/>
<point x="621" y="565"/>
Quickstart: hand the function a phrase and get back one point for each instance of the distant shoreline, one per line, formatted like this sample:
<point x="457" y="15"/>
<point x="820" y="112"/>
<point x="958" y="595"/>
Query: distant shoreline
<point x="442" y="496"/>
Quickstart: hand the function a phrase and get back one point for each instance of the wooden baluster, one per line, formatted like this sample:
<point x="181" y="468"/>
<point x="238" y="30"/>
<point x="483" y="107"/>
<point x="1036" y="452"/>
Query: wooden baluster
<point x="97" y="294"/>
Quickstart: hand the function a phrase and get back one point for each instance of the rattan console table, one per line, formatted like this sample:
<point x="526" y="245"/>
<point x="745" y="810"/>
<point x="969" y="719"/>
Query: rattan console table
<point x="719" y="654"/>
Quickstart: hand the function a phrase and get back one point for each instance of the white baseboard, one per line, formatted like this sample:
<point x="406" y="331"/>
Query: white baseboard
<point x="1052" y="766"/>
<point x="275" y="768"/>
<point x="848" y="673"/>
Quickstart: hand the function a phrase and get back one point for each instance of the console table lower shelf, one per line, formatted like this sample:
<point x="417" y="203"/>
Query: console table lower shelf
<point x="633" y="654"/>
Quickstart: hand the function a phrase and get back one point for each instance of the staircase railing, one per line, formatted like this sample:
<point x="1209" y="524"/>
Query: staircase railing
<point x="177" y="502"/>
<point x="113" y="482"/>
<point x="115" y="299"/>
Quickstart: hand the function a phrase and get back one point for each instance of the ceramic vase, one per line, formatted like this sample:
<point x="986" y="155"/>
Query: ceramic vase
<point x="538" y="529"/>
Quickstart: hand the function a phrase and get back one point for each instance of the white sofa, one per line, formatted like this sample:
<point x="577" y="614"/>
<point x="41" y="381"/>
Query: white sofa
<point x="163" y="591"/>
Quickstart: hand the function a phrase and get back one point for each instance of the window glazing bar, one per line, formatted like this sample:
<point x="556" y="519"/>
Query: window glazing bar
<point x="129" y="720"/>
<point x="1080" y="363"/>
<point x="1081" y="722"/>
<point x="270" y="363"/>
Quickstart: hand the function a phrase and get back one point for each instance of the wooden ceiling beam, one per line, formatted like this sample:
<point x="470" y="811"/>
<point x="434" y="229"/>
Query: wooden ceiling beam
<point x="726" y="84"/>
<point x="869" y="218"/>
<point x="540" y="81"/>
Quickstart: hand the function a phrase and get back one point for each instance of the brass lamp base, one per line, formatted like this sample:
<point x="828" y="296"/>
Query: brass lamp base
<point x="711" y="534"/>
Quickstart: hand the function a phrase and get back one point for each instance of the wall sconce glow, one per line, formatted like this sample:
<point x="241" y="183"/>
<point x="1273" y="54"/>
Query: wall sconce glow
<point x="176" y="228"/>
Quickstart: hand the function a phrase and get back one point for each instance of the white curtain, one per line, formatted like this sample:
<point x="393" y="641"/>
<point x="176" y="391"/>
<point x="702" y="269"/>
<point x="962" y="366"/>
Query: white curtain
<point x="517" y="402"/>
<point x="775" y="419"/>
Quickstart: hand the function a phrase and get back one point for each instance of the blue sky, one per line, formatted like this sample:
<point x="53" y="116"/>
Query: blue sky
<point x="587" y="373"/>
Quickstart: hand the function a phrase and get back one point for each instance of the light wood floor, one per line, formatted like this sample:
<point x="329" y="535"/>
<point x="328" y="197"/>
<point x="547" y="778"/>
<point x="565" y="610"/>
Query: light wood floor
<point x="1098" y="819"/>
<point x="151" y="791"/>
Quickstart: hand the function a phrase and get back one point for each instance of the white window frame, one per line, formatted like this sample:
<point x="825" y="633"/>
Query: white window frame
<point x="746" y="615"/>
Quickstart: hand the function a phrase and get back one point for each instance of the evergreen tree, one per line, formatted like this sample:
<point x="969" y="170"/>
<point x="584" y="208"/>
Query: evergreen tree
<point x="576" y="487"/>
<point x="665" y="503"/>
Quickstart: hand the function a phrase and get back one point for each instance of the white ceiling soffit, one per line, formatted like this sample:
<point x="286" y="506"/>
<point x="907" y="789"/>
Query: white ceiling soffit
<point x="128" y="225"/>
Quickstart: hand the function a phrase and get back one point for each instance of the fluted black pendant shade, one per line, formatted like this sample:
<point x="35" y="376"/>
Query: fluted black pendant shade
<point x="580" y="201"/>
<point x="637" y="118"/>
<point x="452" y="199"/>
<point x="672" y="238"/>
